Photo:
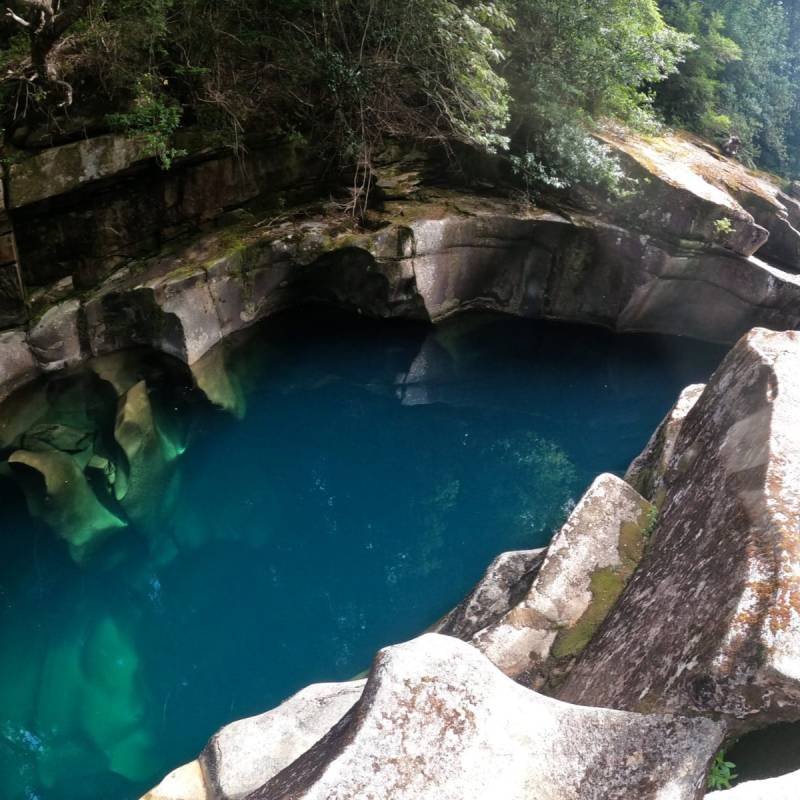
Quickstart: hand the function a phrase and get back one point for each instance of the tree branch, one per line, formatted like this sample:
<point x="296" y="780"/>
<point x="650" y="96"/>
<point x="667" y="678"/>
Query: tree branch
<point x="19" y="20"/>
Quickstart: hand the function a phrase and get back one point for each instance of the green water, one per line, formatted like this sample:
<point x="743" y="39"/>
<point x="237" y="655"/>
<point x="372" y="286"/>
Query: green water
<point x="189" y="563"/>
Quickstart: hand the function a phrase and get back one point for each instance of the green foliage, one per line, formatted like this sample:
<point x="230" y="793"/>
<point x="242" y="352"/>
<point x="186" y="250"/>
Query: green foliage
<point x="721" y="773"/>
<point x="533" y="77"/>
<point x="651" y="522"/>
<point x="742" y="77"/>
<point x="152" y="120"/>
<point x="574" y="63"/>
<point x="723" y="227"/>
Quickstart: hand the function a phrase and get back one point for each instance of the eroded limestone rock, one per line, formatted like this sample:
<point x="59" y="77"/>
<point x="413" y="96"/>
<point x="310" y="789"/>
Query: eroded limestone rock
<point x="646" y="473"/>
<point x="148" y="457"/>
<point x="585" y="570"/>
<point x="710" y="622"/>
<point x="437" y="721"/>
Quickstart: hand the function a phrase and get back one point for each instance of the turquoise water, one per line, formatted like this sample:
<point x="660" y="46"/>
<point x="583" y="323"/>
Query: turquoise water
<point x="351" y="483"/>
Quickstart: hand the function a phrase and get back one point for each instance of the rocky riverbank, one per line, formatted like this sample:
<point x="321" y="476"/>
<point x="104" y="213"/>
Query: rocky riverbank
<point x="663" y="619"/>
<point x="681" y="253"/>
<point x="653" y="633"/>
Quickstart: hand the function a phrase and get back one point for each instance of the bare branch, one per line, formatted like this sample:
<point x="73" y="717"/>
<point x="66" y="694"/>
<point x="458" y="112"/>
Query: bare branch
<point x="18" y="19"/>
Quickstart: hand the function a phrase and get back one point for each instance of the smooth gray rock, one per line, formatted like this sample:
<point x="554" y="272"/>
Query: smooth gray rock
<point x="585" y="570"/>
<point x="506" y="581"/>
<point x="646" y="472"/>
<point x="55" y="338"/>
<point x="17" y="364"/>
<point x="246" y="754"/>
<point x="710" y="622"/>
<point x="786" y="787"/>
<point x="437" y="721"/>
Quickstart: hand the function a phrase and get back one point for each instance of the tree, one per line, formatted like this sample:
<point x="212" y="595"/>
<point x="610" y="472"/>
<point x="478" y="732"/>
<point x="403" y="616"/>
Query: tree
<point x="45" y="22"/>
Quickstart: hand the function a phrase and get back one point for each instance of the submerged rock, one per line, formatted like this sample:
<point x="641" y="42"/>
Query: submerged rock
<point x="219" y="383"/>
<point x="587" y="565"/>
<point x="57" y="491"/>
<point x="438" y="721"/>
<point x="710" y="622"/>
<point x="148" y="457"/>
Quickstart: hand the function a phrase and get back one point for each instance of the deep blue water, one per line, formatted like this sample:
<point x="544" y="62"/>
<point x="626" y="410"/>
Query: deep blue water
<point x="360" y="481"/>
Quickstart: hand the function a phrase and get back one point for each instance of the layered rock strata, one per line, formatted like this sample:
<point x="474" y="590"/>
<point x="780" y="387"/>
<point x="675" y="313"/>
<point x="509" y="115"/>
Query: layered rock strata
<point x="701" y="248"/>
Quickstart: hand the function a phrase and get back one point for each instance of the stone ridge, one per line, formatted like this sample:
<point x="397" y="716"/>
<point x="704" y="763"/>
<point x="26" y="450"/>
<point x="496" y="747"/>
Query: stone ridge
<point x="426" y="261"/>
<point x="700" y="644"/>
<point x="726" y="548"/>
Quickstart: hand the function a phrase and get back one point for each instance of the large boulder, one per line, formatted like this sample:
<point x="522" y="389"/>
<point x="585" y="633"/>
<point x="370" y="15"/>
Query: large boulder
<point x="685" y="192"/>
<point x="17" y="364"/>
<point x="55" y="339"/>
<point x="646" y="473"/>
<point x="710" y="622"/>
<point x="244" y="755"/>
<point x="506" y="581"/>
<point x="586" y="568"/>
<point x="437" y="721"/>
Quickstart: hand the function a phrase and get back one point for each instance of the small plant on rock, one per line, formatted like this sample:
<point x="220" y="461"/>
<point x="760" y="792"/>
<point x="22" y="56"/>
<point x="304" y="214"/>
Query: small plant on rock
<point x="723" y="227"/>
<point x="721" y="772"/>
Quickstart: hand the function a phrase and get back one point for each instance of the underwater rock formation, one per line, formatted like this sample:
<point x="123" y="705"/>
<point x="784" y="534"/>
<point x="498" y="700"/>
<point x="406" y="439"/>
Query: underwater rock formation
<point x="57" y="491"/>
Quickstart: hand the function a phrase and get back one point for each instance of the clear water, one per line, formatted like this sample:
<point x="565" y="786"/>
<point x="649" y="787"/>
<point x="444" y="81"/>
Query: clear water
<point x="359" y="481"/>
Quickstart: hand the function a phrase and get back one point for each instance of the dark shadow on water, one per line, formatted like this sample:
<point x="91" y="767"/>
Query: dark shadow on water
<point x="767" y="753"/>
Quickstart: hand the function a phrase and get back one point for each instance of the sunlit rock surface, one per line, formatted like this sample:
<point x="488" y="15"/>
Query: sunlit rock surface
<point x="692" y="185"/>
<point x="246" y="754"/>
<point x="786" y="787"/>
<point x="587" y="565"/>
<point x="710" y="622"/>
<point x="438" y="720"/>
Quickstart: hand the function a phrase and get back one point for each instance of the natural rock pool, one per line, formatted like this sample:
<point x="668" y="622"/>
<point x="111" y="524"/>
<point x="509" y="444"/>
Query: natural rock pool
<point x="169" y="563"/>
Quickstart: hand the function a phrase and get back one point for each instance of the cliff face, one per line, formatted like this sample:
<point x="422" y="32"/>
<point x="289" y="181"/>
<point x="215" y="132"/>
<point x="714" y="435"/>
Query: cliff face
<point x="114" y="252"/>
